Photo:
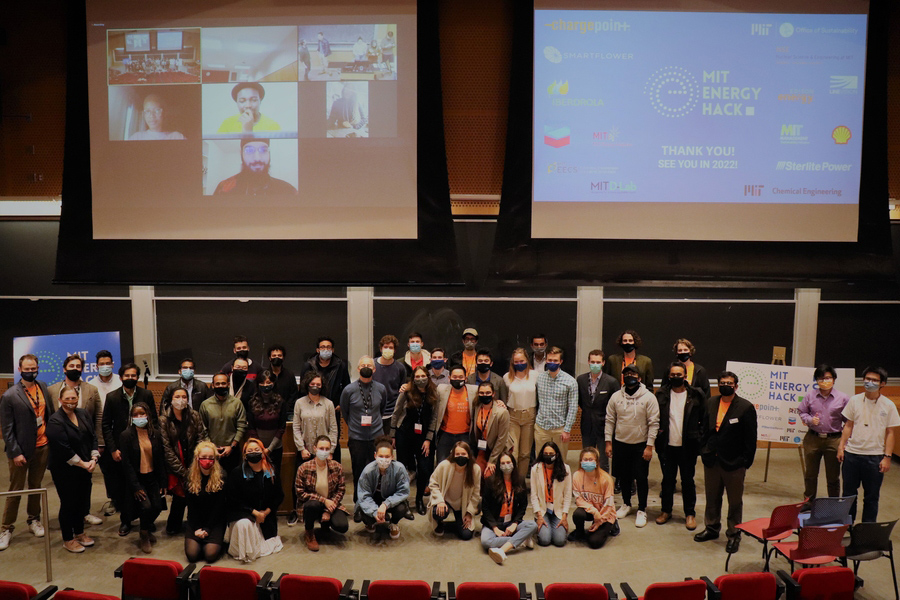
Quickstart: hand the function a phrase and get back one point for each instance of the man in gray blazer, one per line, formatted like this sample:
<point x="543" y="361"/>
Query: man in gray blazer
<point x="25" y="410"/>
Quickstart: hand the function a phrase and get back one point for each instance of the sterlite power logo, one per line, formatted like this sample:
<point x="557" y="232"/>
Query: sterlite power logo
<point x="557" y="137"/>
<point x="752" y="189"/>
<point x="789" y="165"/>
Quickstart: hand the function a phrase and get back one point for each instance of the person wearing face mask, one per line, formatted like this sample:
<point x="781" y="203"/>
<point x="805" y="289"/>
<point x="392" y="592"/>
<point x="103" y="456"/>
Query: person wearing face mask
<point x="727" y="448"/>
<point x="490" y="429"/>
<point x="632" y="423"/>
<point x="88" y="400"/>
<point x="225" y="421"/>
<point x="557" y="403"/>
<point x="539" y="352"/>
<point x="521" y="381"/>
<point x="335" y="377"/>
<point x="205" y="493"/>
<point x="696" y="374"/>
<point x="455" y="489"/>
<point x="452" y="419"/>
<point x="105" y="381"/>
<point x="437" y="370"/>
<point x="681" y="409"/>
<point x="867" y="442"/>
<point x="254" y="494"/>
<point x="267" y="416"/>
<point x="484" y="374"/>
<point x="73" y="458"/>
<point x="629" y="341"/>
<point x="383" y="490"/>
<point x="822" y="412"/>
<point x="595" y="388"/>
<point x="390" y="373"/>
<point x="467" y="356"/>
<point x="320" y="489"/>
<point x="144" y="466"/>
<point x="411" y="430"/>
<point x="240" y="385"/>
<point x="116" y="419"/>
<point x="181" y="429"/>
<point x="361" y="403"/>
<point x="551" y="496"/>
<point x="416" y="356"/>
<point x="241" y="349"/>
<point x="504" y="500"/>
<point x="285" y="380"/>
<point x="594" y="497"/>
<point x="197" y="391"/>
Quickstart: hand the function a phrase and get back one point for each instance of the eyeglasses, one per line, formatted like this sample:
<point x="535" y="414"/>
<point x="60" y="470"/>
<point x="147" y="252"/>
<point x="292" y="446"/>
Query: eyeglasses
<point x="250" y="150"/>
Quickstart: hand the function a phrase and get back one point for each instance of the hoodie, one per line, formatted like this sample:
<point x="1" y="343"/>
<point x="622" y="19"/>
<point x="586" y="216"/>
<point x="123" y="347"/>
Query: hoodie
<point x="634" y="419"/>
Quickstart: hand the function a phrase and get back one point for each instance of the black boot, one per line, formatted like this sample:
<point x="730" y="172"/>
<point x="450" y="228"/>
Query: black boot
<point x="420" y="506"/>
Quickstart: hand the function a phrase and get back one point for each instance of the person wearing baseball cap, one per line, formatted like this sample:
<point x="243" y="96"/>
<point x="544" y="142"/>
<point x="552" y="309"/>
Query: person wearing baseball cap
<point x="467" y="356"/>
<point x="248" y="96"/>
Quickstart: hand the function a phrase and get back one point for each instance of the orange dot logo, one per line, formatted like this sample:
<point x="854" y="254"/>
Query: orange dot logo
<point x="841" y="134"/>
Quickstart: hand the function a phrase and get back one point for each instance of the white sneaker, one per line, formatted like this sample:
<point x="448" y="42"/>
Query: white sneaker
<point x="623" y="511"/>
<point x="4" y="539"/>
<point x="92" y="520"/>
<point x="640" y="519"/>
<point x="36" y="528"/>
<point x="529" y="543"/>
<point x="498" y="555"/>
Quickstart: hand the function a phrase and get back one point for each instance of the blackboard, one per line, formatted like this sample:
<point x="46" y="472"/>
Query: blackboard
<point x="204" y="330"/>
<point x="855" y="335"/>
<point x="502" y="325"/>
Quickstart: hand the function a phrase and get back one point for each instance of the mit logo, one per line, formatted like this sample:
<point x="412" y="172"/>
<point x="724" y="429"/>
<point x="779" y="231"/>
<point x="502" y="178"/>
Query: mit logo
<point x="760" y="28"/>
<point x="753" y="190"/>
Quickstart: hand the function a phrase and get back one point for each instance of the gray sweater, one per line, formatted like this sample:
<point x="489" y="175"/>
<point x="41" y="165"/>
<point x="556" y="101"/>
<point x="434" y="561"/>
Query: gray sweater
<point x="633" y="419"/>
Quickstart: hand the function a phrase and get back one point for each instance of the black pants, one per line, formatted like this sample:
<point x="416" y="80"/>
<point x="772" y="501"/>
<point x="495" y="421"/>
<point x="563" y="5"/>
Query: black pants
<point x="595" y="437"/>
<point x="230" y="462"/>
<point x="409" y="452"/>
<point x="446" y="441"/>
<point x="105" y="463"/>
<point x="362" y="452"/>
<point x="718" y="481"/>
<point x="672" y="460"/>
<point x="176" y="513"/>
<point x="73" y="484"/>
<point x="456" y="526"/>
<point x="336" y="452"/>
<point x="393" y="515"/>
<point x="298" y="461"/>
<point x="150" y="507"/>
<point x="313" y="511"/>
<point x="595" y="539"/>
<point x="630" y="466"/>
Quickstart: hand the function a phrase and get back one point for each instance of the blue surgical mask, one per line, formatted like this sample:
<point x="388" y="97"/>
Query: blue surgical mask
<point x="187" y="374"/>
<point x="105" y="370"/>
<point x="415" y="348"/>
<point x="595" y="368"/>
<point x="871" y="386"/>
<point x="520" y="366"/>
<point x="552" y="367"/>
<point x="139" y="421"/>
<point x="588" y="465"/>
<point x="438" y="363"/>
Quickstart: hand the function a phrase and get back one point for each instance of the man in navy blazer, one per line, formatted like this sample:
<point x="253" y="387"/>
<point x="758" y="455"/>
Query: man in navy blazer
<point x="25" y="410"/>
<point x="594" y="391"/>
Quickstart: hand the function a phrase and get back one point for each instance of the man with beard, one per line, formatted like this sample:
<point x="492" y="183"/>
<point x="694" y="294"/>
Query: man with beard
<point x="248" y="95"/>
<point x="254" y="178"/>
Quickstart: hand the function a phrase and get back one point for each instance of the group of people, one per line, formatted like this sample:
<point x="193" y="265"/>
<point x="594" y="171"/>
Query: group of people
<point x="474" y="442"/>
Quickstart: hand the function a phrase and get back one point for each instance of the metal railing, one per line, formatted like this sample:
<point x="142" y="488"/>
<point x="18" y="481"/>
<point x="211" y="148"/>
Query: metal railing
<point x="45" y="511"/>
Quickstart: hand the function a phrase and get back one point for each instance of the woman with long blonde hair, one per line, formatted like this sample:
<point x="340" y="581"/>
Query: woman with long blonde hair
<point x="205" y="497"/>
<point x="522" y="404"/>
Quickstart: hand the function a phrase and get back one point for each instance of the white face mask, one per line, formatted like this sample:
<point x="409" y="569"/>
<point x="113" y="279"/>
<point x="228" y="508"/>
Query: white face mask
<point x="387" y="353"/>
<point x="179" y="403"/>
<point x="383" y="463"/>
<point x="506" y="468"/>
<point x="322" y="454"/>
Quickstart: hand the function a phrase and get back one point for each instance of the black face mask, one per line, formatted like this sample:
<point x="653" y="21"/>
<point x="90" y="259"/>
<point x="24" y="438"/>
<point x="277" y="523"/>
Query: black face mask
<point x="486" y="399"/>
<point x="254" y="457"/>
<point x="266" y="389"/>
<point x="684" y="356"/>
<point x="482" y="367"/>
<point x="548" y="460"/>
<point x="29" y="376"/>
<point x="676" y="382"/>
<point x="221" y="391"/>
<point x="461" y="461"/>
<point x="457" y="383"/>
<point x="129" y="384"/>
<point x="73" y="374"/>
<point x="631" y="381"/>
<point x="237" y="378"/>
<point x="726" y="390"/>
<point x="277" y="361"/>
<point x="242" y="353"/>
<point x="366" y="372"/>
<point x="627" y="347"/>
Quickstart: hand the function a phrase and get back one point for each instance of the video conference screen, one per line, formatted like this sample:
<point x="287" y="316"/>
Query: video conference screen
<point x="244" y="120"/>
<point x="699" y="125"/>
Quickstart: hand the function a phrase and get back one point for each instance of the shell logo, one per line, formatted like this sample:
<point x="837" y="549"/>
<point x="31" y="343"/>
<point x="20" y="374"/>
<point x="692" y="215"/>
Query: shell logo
<point x="841" y="134"/>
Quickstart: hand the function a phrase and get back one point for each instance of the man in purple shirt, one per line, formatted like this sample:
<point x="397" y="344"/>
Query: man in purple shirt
<point x="821" y="412"/>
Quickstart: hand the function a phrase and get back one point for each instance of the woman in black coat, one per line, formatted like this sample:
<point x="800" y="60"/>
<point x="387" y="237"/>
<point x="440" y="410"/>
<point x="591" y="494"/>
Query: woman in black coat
<point x="181" y="429"/>
<point x="254" y="494"/>
<point x="73" y="458"/>
<point x="204" y="490"/>
<point x="144" y="464"/>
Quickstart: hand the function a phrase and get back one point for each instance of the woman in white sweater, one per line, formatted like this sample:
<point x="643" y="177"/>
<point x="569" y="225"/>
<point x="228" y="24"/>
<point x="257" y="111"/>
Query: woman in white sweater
<point x="551" y="496"/>
<point x="456" y="488"/>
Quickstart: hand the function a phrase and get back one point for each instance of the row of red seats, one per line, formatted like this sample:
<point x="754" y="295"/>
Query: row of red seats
<point x="150" y="579"/>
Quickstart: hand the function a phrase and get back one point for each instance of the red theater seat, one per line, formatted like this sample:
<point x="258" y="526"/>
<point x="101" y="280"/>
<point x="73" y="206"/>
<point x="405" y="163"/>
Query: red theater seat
<point x="152" y="579"/>
<point x="12" y="590"/>
<point x="692" y="589"/>
<point x="393" y="590"/>
<point x="745" y="586"/>
<point x="823" y="583"/>
<point x="76" y="595"/>
<point x="300" y="587"/>
<point x="213" y="583"/>
<point x="574" y="591"/>
<point x="484" y="591"/>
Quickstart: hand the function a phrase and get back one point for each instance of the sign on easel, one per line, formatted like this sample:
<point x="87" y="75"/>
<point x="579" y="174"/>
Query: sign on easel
<point x="777" y="391"/>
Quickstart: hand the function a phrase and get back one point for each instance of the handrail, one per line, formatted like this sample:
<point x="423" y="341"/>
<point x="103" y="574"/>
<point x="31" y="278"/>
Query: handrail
<point x="45" y="511"/>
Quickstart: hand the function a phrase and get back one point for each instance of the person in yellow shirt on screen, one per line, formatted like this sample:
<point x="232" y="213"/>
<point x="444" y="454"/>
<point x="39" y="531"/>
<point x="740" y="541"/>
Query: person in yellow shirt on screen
<point x="248" y="96"/>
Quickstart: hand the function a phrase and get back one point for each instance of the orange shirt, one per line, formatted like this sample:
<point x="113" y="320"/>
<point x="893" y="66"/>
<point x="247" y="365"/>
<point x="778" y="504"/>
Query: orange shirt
<point x="625" y="363"/>
<point x="416" y="362"/>
<point x="484" y="415"/>
<point x="506" y="507"/>
<point x="457" y="418"/>
<point x="39" y="404"/>
<point x="469" y="363"/>
<point x="548" y="478"/>
<point x="723" y="408"/>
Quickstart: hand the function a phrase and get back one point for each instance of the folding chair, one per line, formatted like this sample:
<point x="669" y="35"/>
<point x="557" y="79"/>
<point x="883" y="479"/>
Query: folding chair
<point x="814" y="546"/>
<point x="870" y="541"/>
<point x="780" y="525"/>
<point x="828" y="511"/>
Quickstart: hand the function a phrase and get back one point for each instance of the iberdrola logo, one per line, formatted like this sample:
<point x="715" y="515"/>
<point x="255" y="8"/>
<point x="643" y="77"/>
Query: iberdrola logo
<point x="558" y="89"/>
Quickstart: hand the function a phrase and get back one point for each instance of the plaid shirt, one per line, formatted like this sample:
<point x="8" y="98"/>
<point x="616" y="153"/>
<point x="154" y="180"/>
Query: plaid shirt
<point x="557" y="399"/>
<point x="306" y="483"/>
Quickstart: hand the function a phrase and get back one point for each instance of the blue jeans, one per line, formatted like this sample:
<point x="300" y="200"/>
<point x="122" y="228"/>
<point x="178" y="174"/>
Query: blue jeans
<point x="550" y="531"/>
<point x="524" y="530"/>
<point x="863" y="469"/>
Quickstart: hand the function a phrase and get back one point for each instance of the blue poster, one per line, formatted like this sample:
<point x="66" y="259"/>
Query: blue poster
<point x="52" y="350"/>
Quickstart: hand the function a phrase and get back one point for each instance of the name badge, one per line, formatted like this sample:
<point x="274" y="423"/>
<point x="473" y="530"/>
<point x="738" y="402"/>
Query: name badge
<point x="733" y="421"/>
<point x="418" y="428"/>
<point x="507" y="518"/>
<point x="482" y="444"/>
<point x="39" y="421"/>
<point x="366" y="420"/>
